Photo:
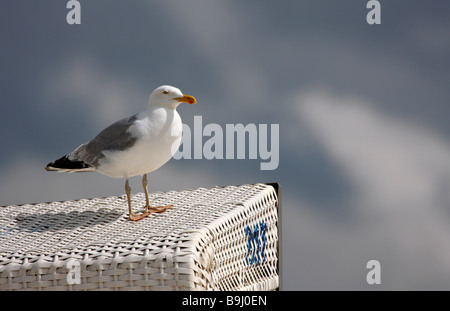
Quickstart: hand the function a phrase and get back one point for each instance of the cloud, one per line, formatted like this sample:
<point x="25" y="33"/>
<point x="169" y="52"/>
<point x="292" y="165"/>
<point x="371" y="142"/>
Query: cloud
<point x="388" y="159"/>
<point x="400" y="176"/>
<point x="220" y="34"/>
<point x="103" y="97"/>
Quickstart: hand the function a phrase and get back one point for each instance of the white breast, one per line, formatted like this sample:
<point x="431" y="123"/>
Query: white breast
<point x="158" y="136"/>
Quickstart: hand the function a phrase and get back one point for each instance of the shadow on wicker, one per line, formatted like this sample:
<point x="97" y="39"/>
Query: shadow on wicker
<point x="34" y="222"/>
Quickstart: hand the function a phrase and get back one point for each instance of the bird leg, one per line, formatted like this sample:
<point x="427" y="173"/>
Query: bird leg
<point x="133" y="216"/>
<point x="148" y="207"/>
<point x="144" y="185"/>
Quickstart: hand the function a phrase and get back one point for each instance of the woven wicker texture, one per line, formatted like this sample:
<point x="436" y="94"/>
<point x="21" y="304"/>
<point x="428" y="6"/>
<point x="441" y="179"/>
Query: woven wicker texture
<point x="220" y="238"/>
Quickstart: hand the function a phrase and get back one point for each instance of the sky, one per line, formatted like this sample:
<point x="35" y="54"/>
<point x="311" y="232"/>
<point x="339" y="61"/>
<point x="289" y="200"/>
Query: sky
<point x="363" y="110"/>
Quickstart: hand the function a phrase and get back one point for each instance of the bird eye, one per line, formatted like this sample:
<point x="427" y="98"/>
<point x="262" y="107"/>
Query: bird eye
<point x="166" y="92"/>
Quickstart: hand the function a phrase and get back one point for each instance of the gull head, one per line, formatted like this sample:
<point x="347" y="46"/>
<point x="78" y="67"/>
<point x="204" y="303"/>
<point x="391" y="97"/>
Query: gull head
<point x="169" y="97"/>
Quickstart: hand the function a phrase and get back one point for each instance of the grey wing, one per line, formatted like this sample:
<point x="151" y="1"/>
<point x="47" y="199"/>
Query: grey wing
<point x="114" y="137"/>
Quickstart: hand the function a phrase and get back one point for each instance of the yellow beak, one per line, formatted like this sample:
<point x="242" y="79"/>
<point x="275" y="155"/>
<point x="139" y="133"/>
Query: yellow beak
<point x="186" y="99"/>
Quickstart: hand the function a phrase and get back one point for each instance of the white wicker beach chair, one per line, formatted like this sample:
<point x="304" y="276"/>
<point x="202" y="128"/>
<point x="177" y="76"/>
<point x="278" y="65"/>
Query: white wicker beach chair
<point x="220" y="238"/>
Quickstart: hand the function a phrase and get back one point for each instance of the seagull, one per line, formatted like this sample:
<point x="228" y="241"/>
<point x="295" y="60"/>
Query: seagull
<point x="133" y="146"/>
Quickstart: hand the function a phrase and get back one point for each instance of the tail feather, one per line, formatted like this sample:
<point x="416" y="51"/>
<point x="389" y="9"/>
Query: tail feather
<point x="64" y="164"/>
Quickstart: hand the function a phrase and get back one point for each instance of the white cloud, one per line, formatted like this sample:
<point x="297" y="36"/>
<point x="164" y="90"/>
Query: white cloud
<point x="393" y="162"/>
<point x="399" y="207"/>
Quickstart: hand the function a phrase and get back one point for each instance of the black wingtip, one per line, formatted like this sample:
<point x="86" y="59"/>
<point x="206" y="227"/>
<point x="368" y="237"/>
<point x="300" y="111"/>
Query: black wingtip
<point x="64" y="163"/>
